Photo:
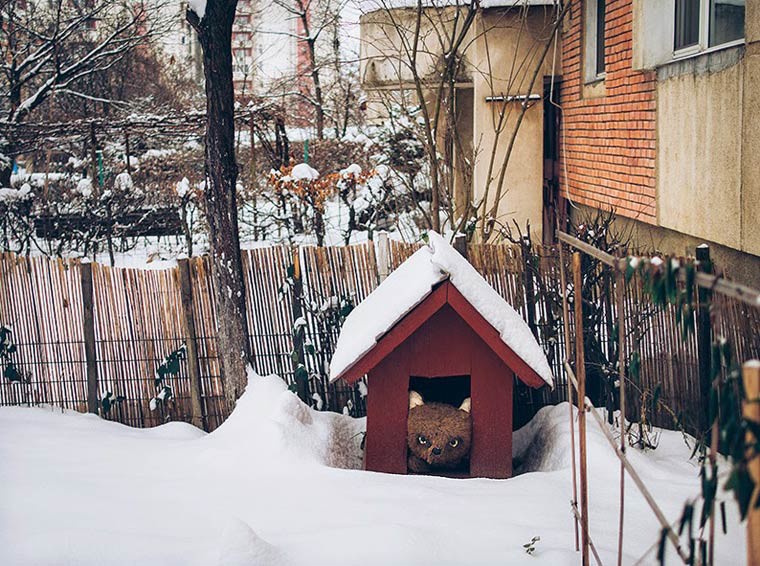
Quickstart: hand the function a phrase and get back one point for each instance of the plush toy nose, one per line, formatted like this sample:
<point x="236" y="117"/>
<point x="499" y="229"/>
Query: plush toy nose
<point x="437" y="451"/>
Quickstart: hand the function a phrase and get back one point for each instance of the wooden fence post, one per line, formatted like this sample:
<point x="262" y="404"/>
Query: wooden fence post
<point x="88" y="310"/>
<point x="191" y="342"/>
<point x="751" y="375"/>
<point x="704" y="340"/>
<point x="580" y="374"/>
<point x="383" y="256"/>
<point x="299" y="331"/>
<point x="460" y="245"/>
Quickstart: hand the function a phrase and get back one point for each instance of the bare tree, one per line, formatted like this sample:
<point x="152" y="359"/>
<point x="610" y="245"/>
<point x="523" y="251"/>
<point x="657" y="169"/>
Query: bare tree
<point x="416" y="61"/>
<point x="322" y="79"/>
<point x="214" y="28"/>
<point x="49" y="48"/>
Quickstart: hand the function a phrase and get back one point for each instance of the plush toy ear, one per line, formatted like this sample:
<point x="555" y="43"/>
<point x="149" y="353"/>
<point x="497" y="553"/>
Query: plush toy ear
<point x="415" y="400"/>
<point x="466" y="405"/>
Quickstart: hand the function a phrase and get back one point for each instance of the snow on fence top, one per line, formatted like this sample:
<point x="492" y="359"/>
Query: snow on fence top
<point x="409" y="285"/>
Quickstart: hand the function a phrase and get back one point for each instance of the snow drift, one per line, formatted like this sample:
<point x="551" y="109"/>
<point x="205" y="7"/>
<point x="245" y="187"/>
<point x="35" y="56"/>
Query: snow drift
<point x="75" y="489"/>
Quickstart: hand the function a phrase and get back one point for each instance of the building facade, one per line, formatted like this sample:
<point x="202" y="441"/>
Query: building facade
<point x="659" y="102"/>
<point x="500" y="53"/>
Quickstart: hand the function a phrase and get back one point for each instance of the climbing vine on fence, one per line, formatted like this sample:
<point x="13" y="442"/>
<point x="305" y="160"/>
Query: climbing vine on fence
<point x="7" y="349"/>
<point x="169" y="368"/>
<point x="317" y="323"/>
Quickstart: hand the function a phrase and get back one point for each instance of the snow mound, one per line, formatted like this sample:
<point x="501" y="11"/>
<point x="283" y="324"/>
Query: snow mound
<point x="174" y="431"/>
<point x="241" y="546"/>
<point x="543" y="444"/>
<point x="270" y="422"/>
<point x="409" y="285"/>
<point x="75" y="489"/>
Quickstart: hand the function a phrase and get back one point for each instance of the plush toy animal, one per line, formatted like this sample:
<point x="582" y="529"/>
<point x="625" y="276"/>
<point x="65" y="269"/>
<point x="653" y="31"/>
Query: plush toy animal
<point x="438" y="435"/>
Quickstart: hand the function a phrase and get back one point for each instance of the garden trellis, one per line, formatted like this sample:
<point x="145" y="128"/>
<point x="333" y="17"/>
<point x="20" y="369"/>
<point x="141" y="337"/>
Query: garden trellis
<point x="730" y="299"/>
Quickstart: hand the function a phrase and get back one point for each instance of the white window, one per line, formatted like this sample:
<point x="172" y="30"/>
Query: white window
<point x="705" y="24"/>
<point x="594" y="25"/>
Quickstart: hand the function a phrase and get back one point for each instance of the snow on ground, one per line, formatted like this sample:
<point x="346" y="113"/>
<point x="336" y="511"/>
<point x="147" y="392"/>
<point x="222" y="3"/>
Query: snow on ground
<point x="75" y="489"/>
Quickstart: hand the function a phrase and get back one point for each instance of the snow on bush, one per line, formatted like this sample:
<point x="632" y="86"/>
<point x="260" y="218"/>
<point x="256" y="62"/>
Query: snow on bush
<point x="352" y="169"/>
<point x="15" y="195"/>
<point x="183" y="187"/>
<point x="84" y="187"/>
<point x="123" y="182"/>
<point x="304" y="172"/>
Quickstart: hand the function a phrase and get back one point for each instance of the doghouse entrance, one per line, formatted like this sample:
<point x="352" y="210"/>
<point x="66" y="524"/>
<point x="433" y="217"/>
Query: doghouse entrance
<point x="451" y="390"/>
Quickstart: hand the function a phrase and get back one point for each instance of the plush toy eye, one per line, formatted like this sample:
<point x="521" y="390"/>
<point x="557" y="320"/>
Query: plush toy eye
<point x="454" y="442"/>
<point x="421" y="439"/>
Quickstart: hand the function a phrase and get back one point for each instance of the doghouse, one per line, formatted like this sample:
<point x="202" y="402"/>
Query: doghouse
<point x="436" y="326"/>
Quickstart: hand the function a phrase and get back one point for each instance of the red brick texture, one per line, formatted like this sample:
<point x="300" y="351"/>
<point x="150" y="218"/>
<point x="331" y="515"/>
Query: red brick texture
<point x="608" y="156"/>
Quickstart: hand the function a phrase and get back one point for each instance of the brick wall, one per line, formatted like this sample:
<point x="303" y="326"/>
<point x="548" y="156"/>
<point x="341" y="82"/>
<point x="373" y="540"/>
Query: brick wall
<point x="608" y="142"/>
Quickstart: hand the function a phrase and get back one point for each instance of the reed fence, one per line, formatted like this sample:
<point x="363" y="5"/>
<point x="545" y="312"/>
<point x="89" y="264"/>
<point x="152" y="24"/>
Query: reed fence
<point x="139" y="316"/>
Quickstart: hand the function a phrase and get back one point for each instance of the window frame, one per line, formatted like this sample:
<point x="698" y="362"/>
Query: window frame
<point x="703" y="43"/>
<point x="591" y="43"/>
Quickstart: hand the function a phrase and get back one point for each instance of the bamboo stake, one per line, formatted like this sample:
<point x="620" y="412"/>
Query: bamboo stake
<point x="620" y="291"/>
<point x="751" y="376"/>
<point x="580" y="370"/>
<point x="591" y="545"/>
<point x="566" y="323"/>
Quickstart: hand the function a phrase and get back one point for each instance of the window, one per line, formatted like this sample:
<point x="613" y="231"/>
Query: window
<point x="703" y="24"/>
<point x="595" y="11"/>
<point x="601" y="6"/>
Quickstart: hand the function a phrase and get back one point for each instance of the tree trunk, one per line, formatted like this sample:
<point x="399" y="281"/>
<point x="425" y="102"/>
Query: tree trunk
<point x="319" y="102"/>
<point x="215" y="35"/>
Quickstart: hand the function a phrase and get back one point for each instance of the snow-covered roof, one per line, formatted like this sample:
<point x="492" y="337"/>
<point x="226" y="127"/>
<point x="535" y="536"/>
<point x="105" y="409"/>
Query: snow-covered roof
<point x="409" y="285"/>
<point x="367" y="6"/>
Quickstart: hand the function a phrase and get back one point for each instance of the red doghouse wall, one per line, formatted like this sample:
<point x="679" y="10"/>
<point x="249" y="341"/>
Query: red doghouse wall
<point x="445" y="345"/>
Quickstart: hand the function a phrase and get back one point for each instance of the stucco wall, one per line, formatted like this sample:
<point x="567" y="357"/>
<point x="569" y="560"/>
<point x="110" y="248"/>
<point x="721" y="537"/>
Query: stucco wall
<point x="708" y="182"/>
<point x="699" y="130"/>
<point x="386" y="41"/>
<point x="500" y="56"/>
<point x="501" y="50"/>
<point x="751" y="133"/>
